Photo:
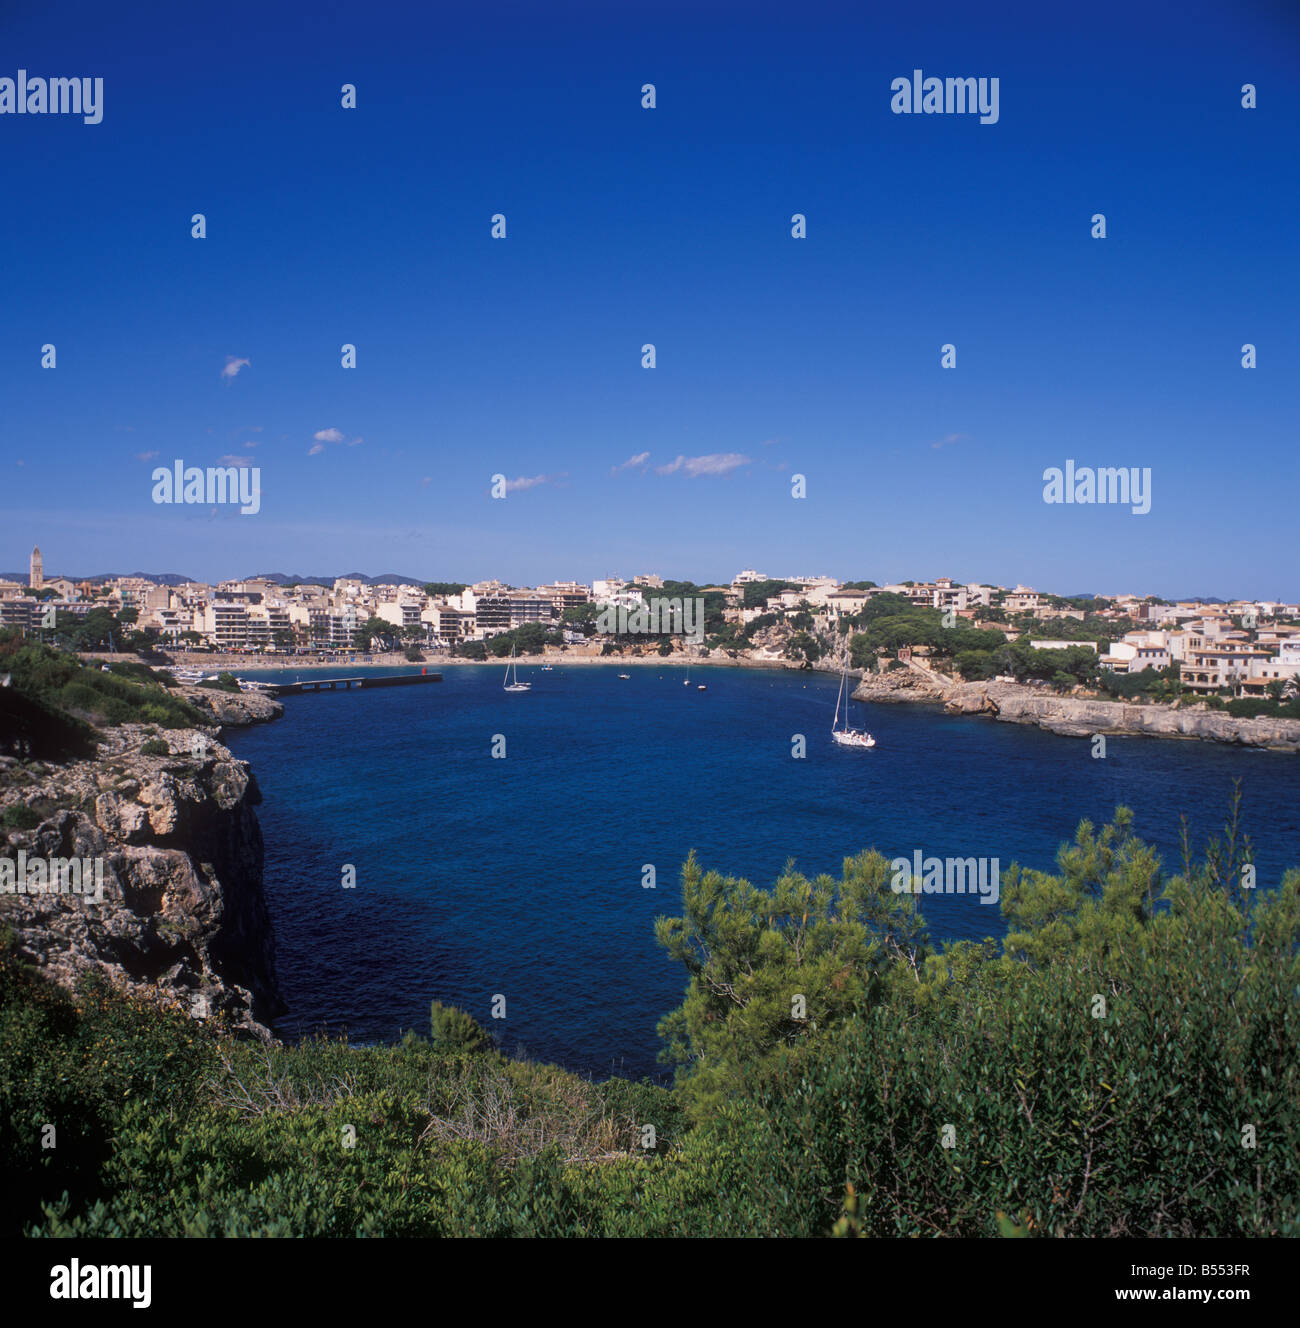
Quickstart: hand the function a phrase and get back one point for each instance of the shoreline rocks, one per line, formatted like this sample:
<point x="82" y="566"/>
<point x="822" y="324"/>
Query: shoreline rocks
<point x="1079" y="717"/>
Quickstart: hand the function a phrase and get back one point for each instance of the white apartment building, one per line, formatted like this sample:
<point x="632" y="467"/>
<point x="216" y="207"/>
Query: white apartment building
<point x="244" y="621"/>
<point x="446" y="623"/>
<point x="1022" y="600"/>
<point x="500" y="613"/>
<point x="614" y="593"/>
<point x="571" y="595"/>
<point x="819" y="595"/>
<point x="1209" y="668"/>
<point x="979" y="594"/>
<point x="1048" y="644"/>
<point x="225" y="623"/>
<point x="1138" y="651"/>
<point x="403" y="611"/>
<point x="847" y="602"/>
<point x="334" y="627"/>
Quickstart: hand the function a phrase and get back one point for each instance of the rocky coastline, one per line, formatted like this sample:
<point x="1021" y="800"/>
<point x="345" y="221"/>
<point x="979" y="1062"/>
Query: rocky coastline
<point x="1077" y="717"/>
<point x="183" y="920"/>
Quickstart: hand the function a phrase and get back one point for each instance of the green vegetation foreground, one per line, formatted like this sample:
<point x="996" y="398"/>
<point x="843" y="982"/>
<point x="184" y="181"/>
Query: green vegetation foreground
<point x="1125" y="1063"/>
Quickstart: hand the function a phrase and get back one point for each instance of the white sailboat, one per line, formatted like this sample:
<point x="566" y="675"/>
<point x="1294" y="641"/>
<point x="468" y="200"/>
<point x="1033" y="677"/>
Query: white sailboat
<point x="846" y="736"/>
<point x="516" y="685"/>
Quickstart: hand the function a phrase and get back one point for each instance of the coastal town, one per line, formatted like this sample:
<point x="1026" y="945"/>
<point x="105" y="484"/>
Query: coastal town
<point x="1234" y="650"/>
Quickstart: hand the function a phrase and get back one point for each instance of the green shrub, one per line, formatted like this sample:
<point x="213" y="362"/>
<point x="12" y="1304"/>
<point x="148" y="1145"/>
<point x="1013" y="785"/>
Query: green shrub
<point x="223" y="682"/>
<point x="1249" y="707"/>
<point x="76" y="1065"/>
<point x="770" y="968"/>
<point x="58" y="683"/>
<point x="1096" y="1078"/>
<point x="19" y="816"/>
<point x="1092" y="1075"/>
<point x="452" y="1030"/>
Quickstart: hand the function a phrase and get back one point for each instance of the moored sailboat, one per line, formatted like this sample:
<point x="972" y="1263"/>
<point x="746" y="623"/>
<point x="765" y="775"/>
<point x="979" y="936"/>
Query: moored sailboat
<point x="516" y="685"/>
<point x="848" y="736"/>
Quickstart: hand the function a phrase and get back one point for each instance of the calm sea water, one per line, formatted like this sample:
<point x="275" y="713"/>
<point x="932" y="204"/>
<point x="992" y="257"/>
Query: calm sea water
<point x="523" y="876"/>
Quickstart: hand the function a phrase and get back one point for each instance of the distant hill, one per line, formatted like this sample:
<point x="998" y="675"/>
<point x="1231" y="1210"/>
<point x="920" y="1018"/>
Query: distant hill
<point x="384" y="578"/>
<point x="162" y="578"/>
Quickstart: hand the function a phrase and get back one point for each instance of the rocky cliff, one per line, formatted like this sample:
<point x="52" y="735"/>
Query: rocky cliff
<point x="1079" y="717"/>
<point x="183" y="918"/>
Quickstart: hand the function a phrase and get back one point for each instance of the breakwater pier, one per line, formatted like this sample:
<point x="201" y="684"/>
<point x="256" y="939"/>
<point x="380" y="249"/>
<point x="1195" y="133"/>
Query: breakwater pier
<point x="348" y="684"/>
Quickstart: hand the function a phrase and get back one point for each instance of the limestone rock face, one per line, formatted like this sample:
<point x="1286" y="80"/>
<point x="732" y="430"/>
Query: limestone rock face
<point x="232" y="707"/>
<point x="183" y="916"/>
<point x="899" y="685"/>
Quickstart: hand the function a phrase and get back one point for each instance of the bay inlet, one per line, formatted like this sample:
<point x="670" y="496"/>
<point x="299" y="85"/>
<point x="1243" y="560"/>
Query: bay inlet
<point x="522" y="875"/>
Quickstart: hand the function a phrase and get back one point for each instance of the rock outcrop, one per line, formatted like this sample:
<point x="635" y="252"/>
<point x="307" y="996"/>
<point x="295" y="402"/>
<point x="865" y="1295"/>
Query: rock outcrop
<point x="183" y="918"/>
<point x="232" y="708"/>
<point x="899" y="685"/>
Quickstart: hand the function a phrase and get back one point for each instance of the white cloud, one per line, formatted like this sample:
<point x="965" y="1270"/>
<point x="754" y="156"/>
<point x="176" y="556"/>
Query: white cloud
<point x="528" y="482"/>
<point x="145" y="456"/>
<point x="328" y="436"/>
<point x="949" y="438"/>
<point x="233" y="366"/>
<point x="715" y="463"/>
<point x="235" y="461"/>
<point x="315" y="449"/>
<point x="632" y="463"/>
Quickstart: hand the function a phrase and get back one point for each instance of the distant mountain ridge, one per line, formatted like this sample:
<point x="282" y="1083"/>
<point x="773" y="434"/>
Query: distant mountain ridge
<point x="162" y="578"/>
<point x="384" y="578"/>
<point x="280" y="578"/>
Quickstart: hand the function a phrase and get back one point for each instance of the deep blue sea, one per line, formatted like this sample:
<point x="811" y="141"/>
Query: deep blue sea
<point x="523" y="875"/>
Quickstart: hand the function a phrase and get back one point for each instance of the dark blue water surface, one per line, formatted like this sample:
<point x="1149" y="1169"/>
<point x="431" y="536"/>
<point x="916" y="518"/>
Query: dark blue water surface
<point x="523" y="876"/>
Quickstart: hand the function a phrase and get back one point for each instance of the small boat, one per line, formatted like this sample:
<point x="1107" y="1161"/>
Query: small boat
<point x="546" y="668"/>
<point x="700" y="687"/>
<point x="846" y="736"/>
<point x="624" y="675"/>
<point x="516" y="685"/>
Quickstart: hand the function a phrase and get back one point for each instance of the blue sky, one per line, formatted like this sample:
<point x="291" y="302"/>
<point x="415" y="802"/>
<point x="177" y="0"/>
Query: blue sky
<point x="672" y="226"/>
